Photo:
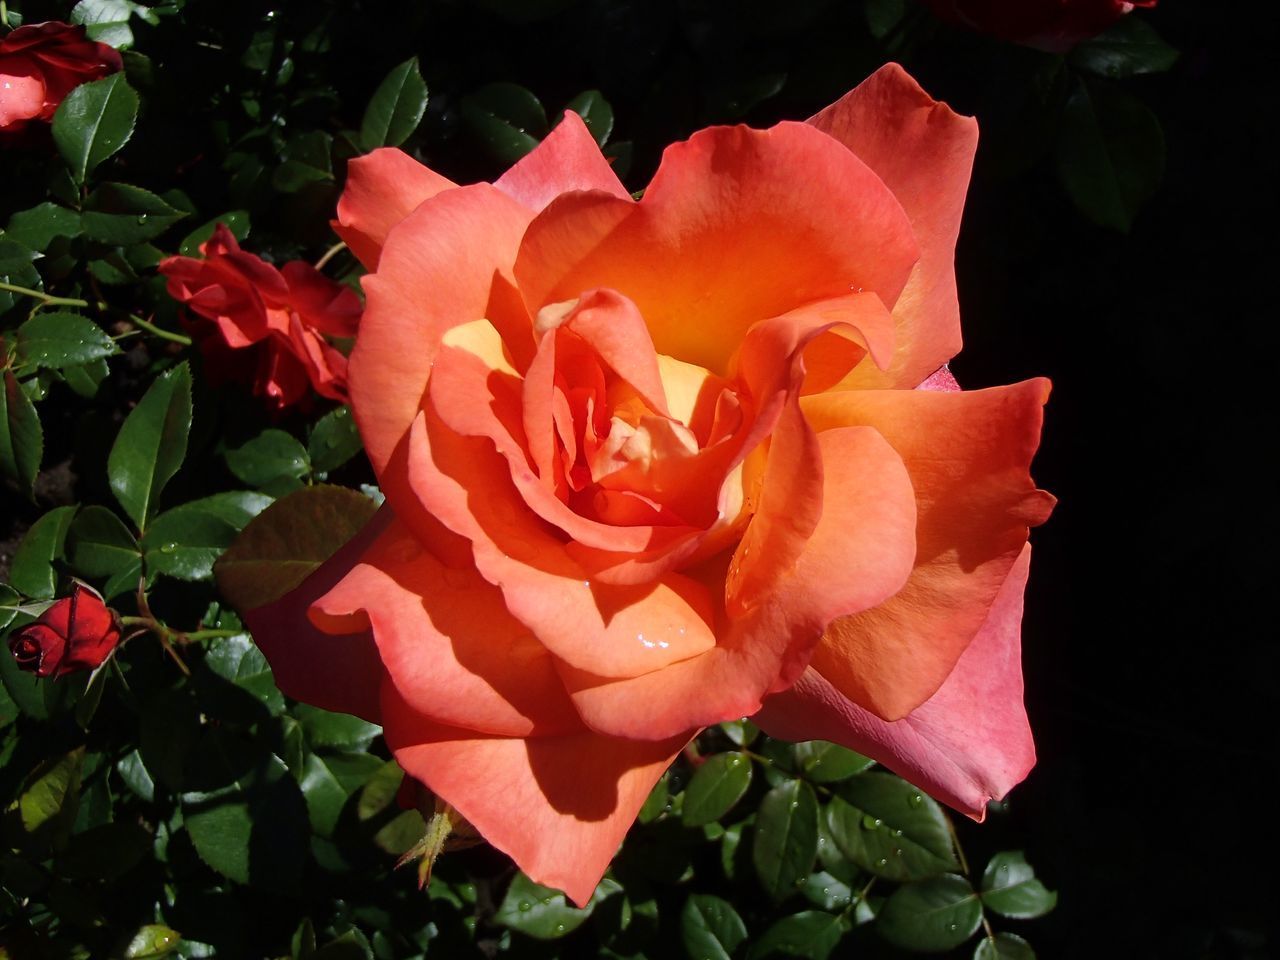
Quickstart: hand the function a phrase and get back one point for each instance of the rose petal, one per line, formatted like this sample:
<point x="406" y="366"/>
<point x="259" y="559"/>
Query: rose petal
<point x="323" y="304"/>
<point x="924" y="152"/>
<point x="566" y="159"/>
<point x="968" y="455"/>
<point x="559" y="806"/>
<point x="383" y="187"/>
<point x="967" y="744"/>
<point x="21" y="93"/>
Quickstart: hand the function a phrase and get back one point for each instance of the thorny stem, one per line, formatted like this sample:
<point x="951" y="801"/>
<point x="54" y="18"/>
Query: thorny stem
<point x="46" y="299"/>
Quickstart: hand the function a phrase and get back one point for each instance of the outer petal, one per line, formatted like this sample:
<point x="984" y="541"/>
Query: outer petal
<point x="969" y="456"/>
<point x="566" y="159"/>
<point x="967" y="744"/>
<point x="924" y="152"/>
<point x="334" y="671"/>
<point x="21" y="92"/>
<point x="382" y="189"/>
<point x="575" y="795"/>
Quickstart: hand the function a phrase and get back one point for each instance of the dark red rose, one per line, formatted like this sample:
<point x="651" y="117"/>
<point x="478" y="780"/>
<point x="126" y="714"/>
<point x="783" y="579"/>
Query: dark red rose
<point x="76" y="633"/>
<point x="1053" y="25"/>
<point x="41" y="63"/>
<point x="285" y="315"/>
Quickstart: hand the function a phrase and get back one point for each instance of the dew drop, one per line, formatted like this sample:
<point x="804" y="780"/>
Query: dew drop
<point x="141" y="218"/>
<point x="953" y="926"/>
<point x="525" y="906"/>
<point x="869" y="822"/>
<point x="168" y="547"/>
<point x="882" y="862"/>
<point x="916" y="799"/>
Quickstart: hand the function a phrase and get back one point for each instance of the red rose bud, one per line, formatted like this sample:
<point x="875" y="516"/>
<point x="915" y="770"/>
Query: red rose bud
<point x="40" y="64"/>
<point x="76" y="633"/>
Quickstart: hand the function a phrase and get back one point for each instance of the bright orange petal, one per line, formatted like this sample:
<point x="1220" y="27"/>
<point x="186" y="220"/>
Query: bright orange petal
<point x="575" y="795"/>
<point x="567" y="159"/>
<point x="968" y="454"/>
<point x="383" y="188"/>
<point x="924" y="152"/>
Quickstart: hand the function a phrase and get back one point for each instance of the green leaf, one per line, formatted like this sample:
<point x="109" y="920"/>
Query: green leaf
<point x="32" y="571"/>
<point x="505" y="117"/>
<point x="933" y="915"/>
<point x="121" y="214"/>
<point x="827" y="892"/>
<point x="786" y="838"/>
<point x="152" y="942"/>
<point x="1010" y="888"/>
<point x="396" y="108"/>
<point x="289" y="540"/>
<point x="543" y="913"/>
<point x="9" y="600"/>
<point x="822" y="762"/>
<point x="1110" y="155"/>
<point x="811" y="934"/>
<point x="1004" y="946"/>
<point x="100" y="545"/>
<point x="106" y="21"/>
<point x="86" y="378"/>
<point x="167" y="733"/>
<point x="710" y="928"/>
<point x="37" y="227"/>
<point x="135" y="775"/>
<point x="237" y="221"/>
<point x="21" y="437"/>
<point x="324" y="792"/>
<point x="886" y="826"/>
<point x="93" y="122"/>
<point x="335" y="731"/>
<point x="152" y="444"/>
<point x="271" y="460"/>
<point x="238" y="662"/>
<point x="62" y="340"/>
<point x="186" y="541"/>
<point x="1129" y="47"/>
<point x="48" y="799"/>
<point x="334" y="440"/>
<point x="307" y="159"/>
<point x="715" y="787"/>
<point x="595" y="112"/>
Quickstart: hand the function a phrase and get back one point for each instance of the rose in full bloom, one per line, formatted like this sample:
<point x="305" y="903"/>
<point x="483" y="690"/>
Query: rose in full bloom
<point x="653" y="465"/>
<point x="285" y="316"/>
<point x="41" y="63"/>
<point x="75" y="633"/>
<point x="1052" y="25"/>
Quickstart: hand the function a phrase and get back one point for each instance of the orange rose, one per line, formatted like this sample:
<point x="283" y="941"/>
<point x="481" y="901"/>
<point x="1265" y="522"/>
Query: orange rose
<point x="41" y="63"/>
<point x="648" y="463"/>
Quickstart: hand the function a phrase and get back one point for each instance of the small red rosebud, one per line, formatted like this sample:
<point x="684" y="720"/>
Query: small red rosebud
<point x="76" y="633"/>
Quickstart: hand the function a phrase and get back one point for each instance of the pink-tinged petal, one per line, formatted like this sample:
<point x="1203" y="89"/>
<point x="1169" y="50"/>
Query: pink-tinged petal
<point x="967" y="744"/>
<point x="924" y="152"/>
<point x="450" y="647"/>
<point x="558" y="806"/>
<point x="383" y="188"/>
<point x="725" y="236"/>
<point x="940" y="381"/>
<point x="447" y="263"/>
<point x="334" y="671"/>
<point x="566" y="159"/>
<point x="859" y="553"/>
<point x="968" y="455"/>
<point x="21" y="94"/>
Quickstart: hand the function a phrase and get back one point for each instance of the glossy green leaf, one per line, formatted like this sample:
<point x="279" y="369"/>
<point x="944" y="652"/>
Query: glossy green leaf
<point x="710" y="928"/>
<point x="1129" y="47"/>
<point x="1004" y="946"/>
<point x="86" y="378"/>
<point x="237" y="221"/>
<point x="1110" y="154"/>
<point x="307" y="159"/>
<point x="324" y="793"/>
<point x="32" y="571"/>
<point x="289" y="540"/>
<point x="933" y="915"/>
<point x="595" y="112"/>
<point x="37" y="226"/>
<point x="812" y="934"/>
<point x="136" y="776"/>
<point x="396" y="108"/>
<point x="152" y="444"/>
<point x="106" y="21"/>
<point x="21" y="437"/>
<point x="715" y="787"/>
<point x="93" y="122"/>
<point x="51" y="791"/>
<point x="1010" y="888"/>
<point x="239" y="662"/>
<point x="334" y="440"/>
<point x="59" y="339"/>
<point x="336" y="731"/>
<point x="886" y="826"/>
<point x="152" y="942"/>
<point x="270" y="459"/>
<point x="9" y="600"/>
<point x="186" y="541"/>
<point x="825" y="891"/>
<point x="121" y="214"/>
<point x="785" y="842"/>
<point x="658" y="802"/>
<point x="506" y="118"/>
<point x="543" y="913"/>
<point x="822" y="762"/>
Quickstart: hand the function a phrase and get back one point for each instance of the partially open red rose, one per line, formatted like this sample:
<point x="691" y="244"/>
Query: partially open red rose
<point x="1052" y="25"/>
<point x="654" y="465"/>
<point x="41" y="63"/>
<point x="285" y="315"/>
<point x="75" y="633"/>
